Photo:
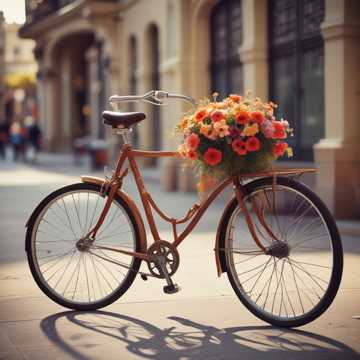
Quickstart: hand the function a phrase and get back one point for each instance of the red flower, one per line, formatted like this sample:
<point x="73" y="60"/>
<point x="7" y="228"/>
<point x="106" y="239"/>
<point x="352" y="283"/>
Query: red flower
<point x="212" y="156"/>
<point x="192" y="155"/>
<point x="200" y="115"/>
<point x="217" y="116"/>
<point x="279" y="148"/>
<point x="279" y="132"/>
<point x="242" y="117"/>
<point x="258" y="116"/>
<point x="252" y="144"/>
<point x="192" y="141"/>
<point x="239" y="146"/>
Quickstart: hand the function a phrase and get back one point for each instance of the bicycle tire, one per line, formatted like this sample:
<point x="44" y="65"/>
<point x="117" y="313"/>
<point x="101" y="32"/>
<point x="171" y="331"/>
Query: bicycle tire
<point x="99" y="298"/>
<point x="309" y="279"/>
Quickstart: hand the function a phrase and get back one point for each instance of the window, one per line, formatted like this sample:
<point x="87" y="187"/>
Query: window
<point x="297" y="69"/>
<point x="226" y="38"/>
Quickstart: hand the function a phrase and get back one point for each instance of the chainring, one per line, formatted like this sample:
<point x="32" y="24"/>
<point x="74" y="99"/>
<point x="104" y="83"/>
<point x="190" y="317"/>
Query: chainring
<point x="162" y="248"/>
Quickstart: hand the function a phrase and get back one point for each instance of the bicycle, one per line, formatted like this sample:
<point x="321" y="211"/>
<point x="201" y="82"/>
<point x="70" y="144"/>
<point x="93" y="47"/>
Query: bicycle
<point x="276" y="240"/>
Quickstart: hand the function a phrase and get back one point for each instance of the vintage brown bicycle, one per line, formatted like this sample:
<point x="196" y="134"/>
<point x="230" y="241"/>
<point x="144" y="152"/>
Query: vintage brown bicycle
<point x="276" y="240"/>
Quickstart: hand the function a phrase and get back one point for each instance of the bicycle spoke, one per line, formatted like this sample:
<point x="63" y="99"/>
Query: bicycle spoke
<point x="289" y="290"/>
<point x="77" y="214"/>
<point x="297" y="288"/>
<point x="69" y="221"/>
<point x="66" y="267"/>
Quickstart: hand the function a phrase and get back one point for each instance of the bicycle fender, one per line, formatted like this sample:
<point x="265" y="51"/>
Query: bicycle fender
<point x="220" y="239"/>
<point x="129" y="202"/>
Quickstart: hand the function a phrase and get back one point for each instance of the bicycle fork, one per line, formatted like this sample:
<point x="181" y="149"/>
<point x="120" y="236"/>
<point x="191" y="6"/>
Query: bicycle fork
<point x="260" y="215"/>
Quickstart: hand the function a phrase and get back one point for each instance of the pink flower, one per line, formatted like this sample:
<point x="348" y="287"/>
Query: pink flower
<point x="217" y="115"/>
<point x="267" y="129"/>
<point x="193" y="141"/>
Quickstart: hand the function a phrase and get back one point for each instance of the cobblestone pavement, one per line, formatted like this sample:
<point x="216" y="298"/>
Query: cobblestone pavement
<point x="203" y="321"/>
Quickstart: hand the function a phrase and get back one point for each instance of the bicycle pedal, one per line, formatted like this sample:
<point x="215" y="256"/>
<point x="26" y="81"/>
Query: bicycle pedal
<point x="144" y="277"/>
<point x="171" y="289"/>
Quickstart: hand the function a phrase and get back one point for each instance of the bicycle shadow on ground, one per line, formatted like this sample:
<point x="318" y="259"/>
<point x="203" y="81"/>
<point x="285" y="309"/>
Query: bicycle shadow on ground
<point x="187" y="339"/>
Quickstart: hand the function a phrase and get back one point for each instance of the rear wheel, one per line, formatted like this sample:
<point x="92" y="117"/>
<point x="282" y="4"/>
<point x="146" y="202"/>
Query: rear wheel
<point x="298" y="278"/>
<point x="72" y="272"/>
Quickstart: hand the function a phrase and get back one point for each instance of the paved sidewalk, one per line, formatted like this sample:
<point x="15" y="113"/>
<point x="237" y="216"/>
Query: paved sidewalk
<point x="204" y="321"/>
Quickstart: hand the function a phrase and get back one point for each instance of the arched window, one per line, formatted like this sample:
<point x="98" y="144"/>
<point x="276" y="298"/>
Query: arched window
<point x="226" y="38"/>
<point x="133" y="65"/>
<point x="296" y="61"/>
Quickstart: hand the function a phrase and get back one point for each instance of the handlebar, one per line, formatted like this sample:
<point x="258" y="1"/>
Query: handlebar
<point x="155" y="97"/>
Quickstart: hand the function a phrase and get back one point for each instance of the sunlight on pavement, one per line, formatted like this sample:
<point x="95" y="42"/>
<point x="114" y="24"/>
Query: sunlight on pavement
<point x="23" y="175"/>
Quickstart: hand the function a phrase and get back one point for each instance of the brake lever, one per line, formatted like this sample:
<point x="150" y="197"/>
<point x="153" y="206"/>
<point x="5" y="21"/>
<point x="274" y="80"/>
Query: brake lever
<point x="154" y="101"/>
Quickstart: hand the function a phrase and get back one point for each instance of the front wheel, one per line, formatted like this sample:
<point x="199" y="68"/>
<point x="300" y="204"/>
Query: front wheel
<point x="73" y="273"/>
<point x="298" y="278"/>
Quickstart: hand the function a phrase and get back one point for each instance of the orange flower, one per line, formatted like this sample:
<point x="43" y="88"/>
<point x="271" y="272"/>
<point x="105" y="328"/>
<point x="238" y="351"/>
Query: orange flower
<point x="235" y="98"/>
<point x="192" y="141"/>
<point x="279" y="148"/>
<point x="239" y="146"/>
<point x="279" y="132"/>
<point x="242" y="117"/>
<point x="252" y="144"/>
<point x="200" y="115"/>
<point x="208" y="131"/>
<point x="212" y="156"/>
<point x="258" y="116"/>
<point x="184" y="123"/>
<point x="251" y="130"/>
<point x="192" y="155"/>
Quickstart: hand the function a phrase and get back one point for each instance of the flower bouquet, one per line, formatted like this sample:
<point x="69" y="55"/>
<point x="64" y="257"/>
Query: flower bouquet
<point x="235" y="136"/>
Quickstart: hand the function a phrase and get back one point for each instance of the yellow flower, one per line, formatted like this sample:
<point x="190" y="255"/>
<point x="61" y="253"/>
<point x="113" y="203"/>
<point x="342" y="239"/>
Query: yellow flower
<point x="251" y="130"/>
<point x="289" y="151"/>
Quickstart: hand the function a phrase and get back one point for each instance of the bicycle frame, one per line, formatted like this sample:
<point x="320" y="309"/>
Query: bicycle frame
<point x="194" y="214"/>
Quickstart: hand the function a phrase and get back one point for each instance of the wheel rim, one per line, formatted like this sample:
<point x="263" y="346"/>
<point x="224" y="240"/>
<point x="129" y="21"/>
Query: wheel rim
<point x="76" y="275"/>
<point x="281" y="286"/>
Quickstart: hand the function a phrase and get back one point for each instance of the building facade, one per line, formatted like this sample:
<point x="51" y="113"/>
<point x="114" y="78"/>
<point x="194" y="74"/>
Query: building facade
<point x="2" y="67"/>
<point x="20" y="70"/>
<point x="305" y="55"/>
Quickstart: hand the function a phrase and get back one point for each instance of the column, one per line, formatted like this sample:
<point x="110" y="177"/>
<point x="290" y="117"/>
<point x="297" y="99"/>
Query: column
<point x="253" y="52"/>
<point x="338" y="154"/>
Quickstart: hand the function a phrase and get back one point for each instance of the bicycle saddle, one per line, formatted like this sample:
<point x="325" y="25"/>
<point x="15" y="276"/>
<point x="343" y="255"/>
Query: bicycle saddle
<point x="122" y="120"/>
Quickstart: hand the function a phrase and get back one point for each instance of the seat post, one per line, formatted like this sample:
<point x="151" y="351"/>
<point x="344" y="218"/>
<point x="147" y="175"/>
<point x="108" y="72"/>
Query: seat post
<point x="124" y="134"/>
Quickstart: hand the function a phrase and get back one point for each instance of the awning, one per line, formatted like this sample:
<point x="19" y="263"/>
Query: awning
<point x="18" y="80"/>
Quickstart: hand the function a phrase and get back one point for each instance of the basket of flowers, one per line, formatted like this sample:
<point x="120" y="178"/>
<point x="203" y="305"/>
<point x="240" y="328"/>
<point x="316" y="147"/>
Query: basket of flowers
<point x="232" y="137"/>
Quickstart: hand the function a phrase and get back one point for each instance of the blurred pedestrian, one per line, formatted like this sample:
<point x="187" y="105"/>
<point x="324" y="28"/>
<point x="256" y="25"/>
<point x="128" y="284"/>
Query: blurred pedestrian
<point x="3" y="140"/>
<point x="16" y="140"/>
<point x="33" y="137"/>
